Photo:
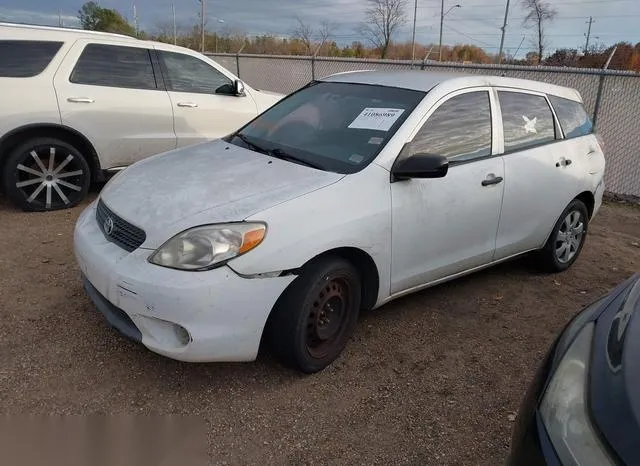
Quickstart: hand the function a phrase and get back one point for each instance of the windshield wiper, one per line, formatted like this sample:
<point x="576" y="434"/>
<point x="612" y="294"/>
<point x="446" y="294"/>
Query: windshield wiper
<point x="280" y="154"/>
<point x="252" y="145"/>
<point x="276" y="153"/>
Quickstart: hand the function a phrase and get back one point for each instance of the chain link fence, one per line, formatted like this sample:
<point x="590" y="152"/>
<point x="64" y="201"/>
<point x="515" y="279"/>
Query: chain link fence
<point x="611" y="97"/>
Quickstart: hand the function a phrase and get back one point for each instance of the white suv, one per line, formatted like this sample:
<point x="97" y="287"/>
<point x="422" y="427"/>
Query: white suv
<point x="75" y="104"/>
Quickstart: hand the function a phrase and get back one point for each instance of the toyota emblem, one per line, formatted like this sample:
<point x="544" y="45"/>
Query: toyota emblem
<point x="108" y="226"/>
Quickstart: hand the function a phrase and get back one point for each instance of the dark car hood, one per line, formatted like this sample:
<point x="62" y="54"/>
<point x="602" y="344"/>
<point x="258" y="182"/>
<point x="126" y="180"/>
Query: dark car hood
<point x="614" y="390"/>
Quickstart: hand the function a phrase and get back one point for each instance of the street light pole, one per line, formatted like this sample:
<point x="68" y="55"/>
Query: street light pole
<point x="442" y="15"/>
<point x="441" y="24"/>
<point x="202" y="25"/>
<point x="173" y="10"/>
<point x="413" y="36"/>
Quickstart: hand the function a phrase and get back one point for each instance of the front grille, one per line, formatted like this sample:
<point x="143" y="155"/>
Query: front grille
<point x="129" y="237"/>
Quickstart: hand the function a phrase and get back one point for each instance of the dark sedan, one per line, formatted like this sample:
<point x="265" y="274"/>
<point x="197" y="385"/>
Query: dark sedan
<point x="583" y="406"/>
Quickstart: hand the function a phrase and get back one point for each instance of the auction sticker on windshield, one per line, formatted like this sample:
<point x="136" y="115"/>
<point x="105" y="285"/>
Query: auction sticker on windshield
<point x="381" y="119"/>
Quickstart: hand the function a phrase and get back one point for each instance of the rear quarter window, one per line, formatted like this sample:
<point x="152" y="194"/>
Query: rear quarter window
<point x="574" y="120"/>
<point x="26" y="58"/>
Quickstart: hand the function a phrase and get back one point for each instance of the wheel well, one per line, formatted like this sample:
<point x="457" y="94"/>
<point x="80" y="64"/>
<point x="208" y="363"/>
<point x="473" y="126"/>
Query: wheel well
<point x="589" y="200"/>
<point x="365" y="266"/>
<point x="68" y="135"/>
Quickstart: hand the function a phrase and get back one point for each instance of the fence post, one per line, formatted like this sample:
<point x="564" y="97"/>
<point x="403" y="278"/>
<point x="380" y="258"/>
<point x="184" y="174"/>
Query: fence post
<point x="313" y="67"/>
<point x="596" y="109"/>
<point x="238" y="60"/>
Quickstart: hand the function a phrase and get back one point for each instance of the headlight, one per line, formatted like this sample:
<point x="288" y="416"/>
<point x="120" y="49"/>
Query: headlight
<point x="208" y="246"/>
<point x="564" y="407"/>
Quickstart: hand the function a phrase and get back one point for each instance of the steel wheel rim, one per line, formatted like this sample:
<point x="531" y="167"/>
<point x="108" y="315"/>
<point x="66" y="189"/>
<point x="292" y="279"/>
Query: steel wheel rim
<point x="50" y="176"/>
<point x="328" y="318"/>
<point x="569" y="237"/>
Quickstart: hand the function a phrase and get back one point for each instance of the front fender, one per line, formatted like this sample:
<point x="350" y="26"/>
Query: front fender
<point x="354" y="212"/>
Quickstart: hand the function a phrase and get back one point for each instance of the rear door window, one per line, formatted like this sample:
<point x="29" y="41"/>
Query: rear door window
<point x="527" y="120"/>
<point x="574" y="120"/>
<point x="26" y="58"/>
<point x="114" y="66"/>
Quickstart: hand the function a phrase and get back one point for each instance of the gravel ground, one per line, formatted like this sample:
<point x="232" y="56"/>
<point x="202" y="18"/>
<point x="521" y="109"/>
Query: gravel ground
<point x="433" y="378"/>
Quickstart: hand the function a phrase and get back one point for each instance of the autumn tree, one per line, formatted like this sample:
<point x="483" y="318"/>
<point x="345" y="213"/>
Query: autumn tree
<point x="95" y="18"/>
<point x="303" y="33"/>
<point x="539" y="13"/>
<point x="384" y="18"/>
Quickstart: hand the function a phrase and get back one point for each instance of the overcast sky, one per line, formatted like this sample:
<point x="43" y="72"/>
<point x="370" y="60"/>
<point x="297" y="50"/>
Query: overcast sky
<point x="476" y="22"/>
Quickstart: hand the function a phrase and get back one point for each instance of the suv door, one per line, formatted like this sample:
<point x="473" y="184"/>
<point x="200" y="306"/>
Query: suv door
<point x="113" y="95"/>
<point x="204" y="104"/>
<point x="539" y="180"/>
<point x="448" y="225"/>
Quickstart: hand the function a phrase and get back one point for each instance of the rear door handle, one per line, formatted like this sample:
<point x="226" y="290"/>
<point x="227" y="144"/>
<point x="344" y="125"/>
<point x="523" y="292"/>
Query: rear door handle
<point x="187" y="104"/>
<point x="80" y="100"/>
<point x="491" y="181"/>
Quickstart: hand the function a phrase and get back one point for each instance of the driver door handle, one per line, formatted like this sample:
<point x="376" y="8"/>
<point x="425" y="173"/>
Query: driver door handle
<point x="187" y="104"/>
<point x="492" y="181"/>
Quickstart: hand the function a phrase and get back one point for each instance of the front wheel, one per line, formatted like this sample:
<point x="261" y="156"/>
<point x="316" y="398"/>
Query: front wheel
<point x="316" y="315"/>
<point x="567" y="238"/>
<point x="46" y="174"/>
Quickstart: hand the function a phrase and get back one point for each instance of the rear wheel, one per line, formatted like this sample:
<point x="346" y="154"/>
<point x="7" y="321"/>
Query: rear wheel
<point x="46" y="174"/>
<point x="567" y="238"/>
<point x="314" y="318"/>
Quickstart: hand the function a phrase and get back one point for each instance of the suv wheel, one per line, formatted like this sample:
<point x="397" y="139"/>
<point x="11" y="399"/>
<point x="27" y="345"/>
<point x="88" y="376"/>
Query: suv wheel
<point x="46" y="174"/>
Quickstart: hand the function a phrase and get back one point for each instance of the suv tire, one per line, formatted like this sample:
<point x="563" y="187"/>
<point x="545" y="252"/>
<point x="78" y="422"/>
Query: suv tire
<point x="45" y="174"/>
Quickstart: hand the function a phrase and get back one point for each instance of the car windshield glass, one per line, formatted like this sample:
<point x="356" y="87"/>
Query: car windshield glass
<point x="338" y="127"/>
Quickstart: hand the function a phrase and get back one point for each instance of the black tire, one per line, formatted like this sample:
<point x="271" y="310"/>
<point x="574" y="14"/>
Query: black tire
<point x="23" y="175"/>
<point x="550" y="258"/>
<point x="300" y="331"/>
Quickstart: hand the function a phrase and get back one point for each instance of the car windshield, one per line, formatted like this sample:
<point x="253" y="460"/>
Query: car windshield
<point x="331" y="126"/>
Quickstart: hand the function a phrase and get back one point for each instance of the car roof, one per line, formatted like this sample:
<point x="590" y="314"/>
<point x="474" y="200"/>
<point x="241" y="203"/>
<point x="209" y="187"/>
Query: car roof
<point x="427" y="80"/>
<point x="17" y="31"/>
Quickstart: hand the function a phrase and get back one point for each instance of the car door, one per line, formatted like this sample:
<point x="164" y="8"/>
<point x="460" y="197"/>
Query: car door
<point x="447" y="225"/>
<point x="539" y="179"/>
<point x="112" y="94"/>
<point x="204" y="104"/>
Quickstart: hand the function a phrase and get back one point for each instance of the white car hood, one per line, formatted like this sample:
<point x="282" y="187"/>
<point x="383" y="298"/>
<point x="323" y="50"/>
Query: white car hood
<point x="206" y="183"/>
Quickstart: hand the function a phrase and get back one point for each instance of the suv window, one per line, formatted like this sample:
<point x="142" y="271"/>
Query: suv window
<point x="114" y="66"/>
<point x="527" y="120"/>
<point x="190" y="74"/>
<point x="26" y="58"/>
<point x="459" y="129"/>
<point x="573" y="117"/>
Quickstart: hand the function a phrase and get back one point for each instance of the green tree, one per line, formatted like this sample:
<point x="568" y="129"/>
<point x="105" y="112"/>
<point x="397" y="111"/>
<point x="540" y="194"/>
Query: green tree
<point x="95" y="18"/>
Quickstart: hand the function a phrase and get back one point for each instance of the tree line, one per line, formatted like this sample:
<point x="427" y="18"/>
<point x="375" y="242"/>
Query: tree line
<point x="383" y="20"/>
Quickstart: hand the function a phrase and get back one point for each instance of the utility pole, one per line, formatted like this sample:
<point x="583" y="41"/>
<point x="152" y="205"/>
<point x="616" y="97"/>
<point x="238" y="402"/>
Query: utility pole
<point x="413" y="36"/>
<point x="135" y="18"/>
<point x="202" y="25"/>
<point x="60" y="18"/>
<point x="441" y="24"/>
<point x="586" y="45"/>
<point x="173" y="10"/>
<point x="504" y="30"/>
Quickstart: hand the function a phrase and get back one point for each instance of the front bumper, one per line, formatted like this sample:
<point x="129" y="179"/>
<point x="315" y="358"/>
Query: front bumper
<point x="190" y="316"/>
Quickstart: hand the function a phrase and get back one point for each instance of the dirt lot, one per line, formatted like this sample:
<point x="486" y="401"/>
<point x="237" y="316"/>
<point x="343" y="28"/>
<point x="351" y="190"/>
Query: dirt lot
<point x="430" y="379"/>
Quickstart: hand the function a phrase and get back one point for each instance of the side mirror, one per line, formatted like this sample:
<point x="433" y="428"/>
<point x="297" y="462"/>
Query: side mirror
<point x="420" y="166"/>
<point x="238" y="88"/>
